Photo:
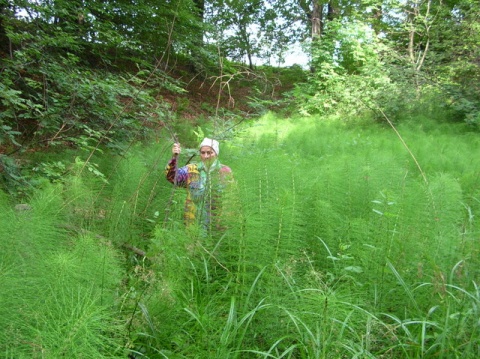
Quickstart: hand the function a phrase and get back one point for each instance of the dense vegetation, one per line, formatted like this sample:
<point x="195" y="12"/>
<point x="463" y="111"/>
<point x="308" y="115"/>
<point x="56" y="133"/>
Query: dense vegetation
<point x="351" y="228"/>
<point x="339" y="246"/>
<point x="80" y="73"/>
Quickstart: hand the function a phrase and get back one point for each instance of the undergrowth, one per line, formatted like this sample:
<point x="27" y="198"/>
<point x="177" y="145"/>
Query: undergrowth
<point x="339" y="242"/>
<point x="59" y="286"/>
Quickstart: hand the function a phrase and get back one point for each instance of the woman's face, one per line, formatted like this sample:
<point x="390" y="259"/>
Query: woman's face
<point x="207" y="154"/>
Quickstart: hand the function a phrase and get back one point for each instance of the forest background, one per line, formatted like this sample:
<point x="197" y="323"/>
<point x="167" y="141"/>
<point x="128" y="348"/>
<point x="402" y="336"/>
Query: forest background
<point x="358" y="180"/>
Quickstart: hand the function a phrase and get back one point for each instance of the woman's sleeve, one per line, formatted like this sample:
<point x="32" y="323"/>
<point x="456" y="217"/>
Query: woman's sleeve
<point x="177" y="176"/>
<point x="226" y="174"/>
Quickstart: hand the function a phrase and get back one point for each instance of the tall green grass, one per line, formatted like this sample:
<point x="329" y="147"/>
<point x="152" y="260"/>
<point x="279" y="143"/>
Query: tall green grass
<point x="339" y="248"/>
<point x="337" y="245"/>
<point x="59" y="287"/>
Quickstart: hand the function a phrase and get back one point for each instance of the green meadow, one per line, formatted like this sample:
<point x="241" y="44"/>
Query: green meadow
<point x="343" y="239"/>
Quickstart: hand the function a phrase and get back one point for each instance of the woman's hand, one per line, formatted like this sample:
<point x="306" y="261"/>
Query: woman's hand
<point x="176" y="149"/>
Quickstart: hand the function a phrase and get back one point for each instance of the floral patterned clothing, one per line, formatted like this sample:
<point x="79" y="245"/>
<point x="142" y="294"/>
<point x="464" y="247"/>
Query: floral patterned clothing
<point x="204" y="187"/>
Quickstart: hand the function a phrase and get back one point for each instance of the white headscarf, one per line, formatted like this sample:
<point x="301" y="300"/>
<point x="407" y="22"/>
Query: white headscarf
<point x="211" y="143"/>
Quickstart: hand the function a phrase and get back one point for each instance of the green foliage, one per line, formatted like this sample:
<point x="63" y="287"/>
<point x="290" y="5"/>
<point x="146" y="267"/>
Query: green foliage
<point x="82" y="108"/>
<point x="11" y="177"/>
<point x="396" y="57"/>
<point x="77" y="76"/>
<point x="348" y="72"/>
<point x="453" y="59"/>
<point x="334" y="245"/>
<point x="368" y="55"/>
<point x="238" y="17"/>
<point x="59" y="291"/>
<point x="338" y="242"/>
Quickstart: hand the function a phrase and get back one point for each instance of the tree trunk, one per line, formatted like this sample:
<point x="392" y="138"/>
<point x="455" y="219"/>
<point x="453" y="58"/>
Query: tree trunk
<point x="412" y="14"/>
<point x="317" y="20"/>
<point x="200" y="5"/>
<point x="196" y="57"/>
<point x="419" y="27"/>
<point x="377" y="18"/>
<point x="4" y="40"/>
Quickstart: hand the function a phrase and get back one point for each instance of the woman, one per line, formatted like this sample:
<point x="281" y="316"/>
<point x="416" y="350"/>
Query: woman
<point x="204" y="181"/>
